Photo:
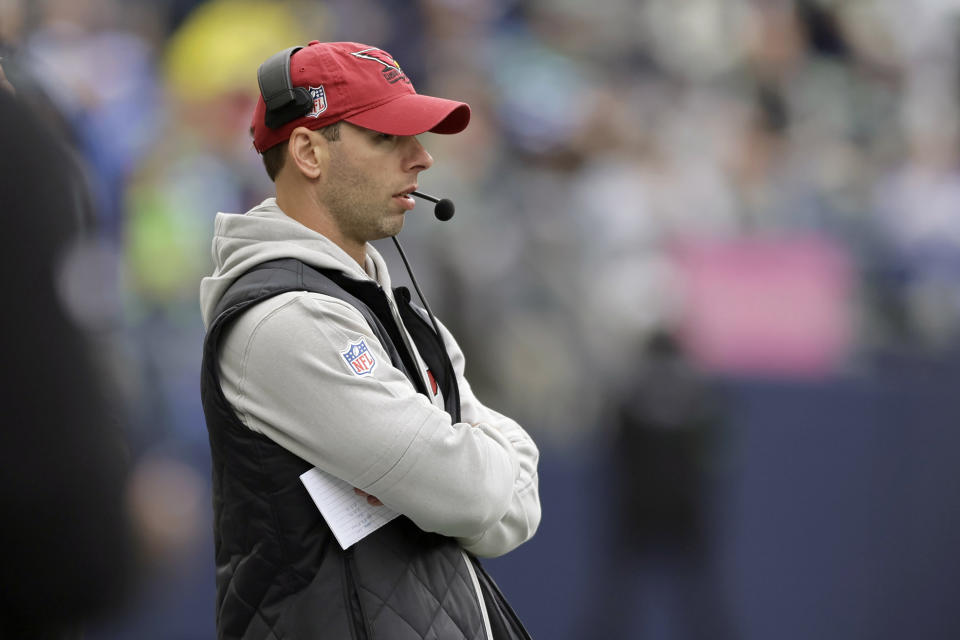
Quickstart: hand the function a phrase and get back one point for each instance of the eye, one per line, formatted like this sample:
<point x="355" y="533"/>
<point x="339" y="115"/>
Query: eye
<point x="386" y="137"/>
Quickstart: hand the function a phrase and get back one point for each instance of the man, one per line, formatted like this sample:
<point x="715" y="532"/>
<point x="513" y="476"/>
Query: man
<point x="311" y="359"/>
<point x="67" y="548"/>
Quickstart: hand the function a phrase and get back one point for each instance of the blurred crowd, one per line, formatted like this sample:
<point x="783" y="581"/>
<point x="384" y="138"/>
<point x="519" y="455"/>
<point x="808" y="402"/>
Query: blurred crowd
<point x="774" y="183"/>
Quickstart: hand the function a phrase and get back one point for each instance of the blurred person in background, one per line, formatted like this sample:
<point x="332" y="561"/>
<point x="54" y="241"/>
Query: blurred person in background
<point x="99" y="74"/>
<point x="67" y="544"/>
<point x="657" y="577"/>
<point x="312" y="360"/>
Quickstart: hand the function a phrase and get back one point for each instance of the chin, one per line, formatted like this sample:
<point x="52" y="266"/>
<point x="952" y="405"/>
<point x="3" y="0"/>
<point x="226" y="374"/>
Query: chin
<point x="393" y="227"/>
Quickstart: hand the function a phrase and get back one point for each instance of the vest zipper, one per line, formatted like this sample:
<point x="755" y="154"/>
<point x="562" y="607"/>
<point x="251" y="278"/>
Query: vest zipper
<point x="411" y="347"/>
<point x="476" y="589"/>
<point x="358" y="623"/>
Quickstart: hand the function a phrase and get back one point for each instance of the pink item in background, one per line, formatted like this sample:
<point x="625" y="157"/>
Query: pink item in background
<point x="766" y="306"/>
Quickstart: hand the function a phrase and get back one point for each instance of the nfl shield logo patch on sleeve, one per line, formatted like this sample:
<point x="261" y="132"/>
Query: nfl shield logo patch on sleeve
<point x="360" y="358"/>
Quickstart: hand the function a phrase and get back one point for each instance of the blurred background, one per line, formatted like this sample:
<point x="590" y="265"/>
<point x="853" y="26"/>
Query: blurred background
<point x="707" y="252"/>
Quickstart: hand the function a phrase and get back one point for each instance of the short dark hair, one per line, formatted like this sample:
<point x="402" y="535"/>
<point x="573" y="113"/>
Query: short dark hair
<point x="274" y="157"/>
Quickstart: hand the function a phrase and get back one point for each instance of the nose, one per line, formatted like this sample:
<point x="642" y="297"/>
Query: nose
<point x="417" y="157"/>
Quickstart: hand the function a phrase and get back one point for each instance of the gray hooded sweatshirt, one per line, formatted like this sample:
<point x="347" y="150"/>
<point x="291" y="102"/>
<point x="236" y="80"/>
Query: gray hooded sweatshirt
<point x="282" y="366"/>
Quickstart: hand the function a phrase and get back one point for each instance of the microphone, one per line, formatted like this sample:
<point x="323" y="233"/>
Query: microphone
<point x="444" y="209"/>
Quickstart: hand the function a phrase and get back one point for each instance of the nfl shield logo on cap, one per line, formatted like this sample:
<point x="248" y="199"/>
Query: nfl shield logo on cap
<point x="359" y="357"/>
<point x="319" y="97"/>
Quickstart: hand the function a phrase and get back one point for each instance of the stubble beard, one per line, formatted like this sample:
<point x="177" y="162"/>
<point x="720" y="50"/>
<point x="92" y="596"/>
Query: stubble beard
<point x="357" y="214"/>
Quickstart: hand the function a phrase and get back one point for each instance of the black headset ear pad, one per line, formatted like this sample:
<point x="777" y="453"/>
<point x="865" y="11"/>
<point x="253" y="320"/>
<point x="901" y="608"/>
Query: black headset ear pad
<point x="284" y="102"/>
<point x="300" y="106"/>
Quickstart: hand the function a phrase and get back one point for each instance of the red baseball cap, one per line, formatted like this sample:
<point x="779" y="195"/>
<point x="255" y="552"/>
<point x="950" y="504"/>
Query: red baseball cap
<point x="363" y="85"/>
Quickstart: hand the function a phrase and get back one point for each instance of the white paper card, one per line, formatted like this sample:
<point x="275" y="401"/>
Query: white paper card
<point x="349" y="515"/>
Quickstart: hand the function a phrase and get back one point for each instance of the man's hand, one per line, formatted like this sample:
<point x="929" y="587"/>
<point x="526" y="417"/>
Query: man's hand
<point x="371" y="500"/>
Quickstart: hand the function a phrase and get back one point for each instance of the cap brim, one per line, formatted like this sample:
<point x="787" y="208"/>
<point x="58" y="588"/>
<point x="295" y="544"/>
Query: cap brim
<point x="413" y="114"/>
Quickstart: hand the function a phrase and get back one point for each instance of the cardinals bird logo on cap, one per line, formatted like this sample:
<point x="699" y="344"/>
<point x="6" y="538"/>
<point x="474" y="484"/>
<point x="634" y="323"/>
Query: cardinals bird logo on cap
<point x="391" y="71"/>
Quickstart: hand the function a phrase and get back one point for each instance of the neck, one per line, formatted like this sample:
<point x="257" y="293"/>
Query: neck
<point x="299" y="206"/>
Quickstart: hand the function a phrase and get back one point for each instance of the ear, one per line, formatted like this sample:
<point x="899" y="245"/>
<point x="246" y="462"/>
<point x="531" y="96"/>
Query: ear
<point x="308" y="152"/>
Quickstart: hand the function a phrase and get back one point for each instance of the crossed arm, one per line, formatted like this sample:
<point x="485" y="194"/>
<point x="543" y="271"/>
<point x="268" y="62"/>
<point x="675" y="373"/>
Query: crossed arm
<point x="476" y="480"/>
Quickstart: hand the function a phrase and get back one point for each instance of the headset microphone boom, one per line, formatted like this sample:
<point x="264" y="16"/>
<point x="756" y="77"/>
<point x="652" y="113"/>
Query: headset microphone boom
<point x="444" y="209"/>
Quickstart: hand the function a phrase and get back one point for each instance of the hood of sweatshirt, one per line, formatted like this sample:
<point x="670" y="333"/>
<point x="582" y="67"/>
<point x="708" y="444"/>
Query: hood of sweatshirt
<point x="242" y="241"/>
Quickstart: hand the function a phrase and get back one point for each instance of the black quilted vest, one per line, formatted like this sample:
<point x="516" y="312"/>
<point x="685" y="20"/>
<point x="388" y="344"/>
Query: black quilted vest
<point x="280" y="572"/>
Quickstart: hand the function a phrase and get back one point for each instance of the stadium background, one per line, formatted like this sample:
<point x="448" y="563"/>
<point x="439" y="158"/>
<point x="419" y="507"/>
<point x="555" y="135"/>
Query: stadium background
<point x="748" y="207"/>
